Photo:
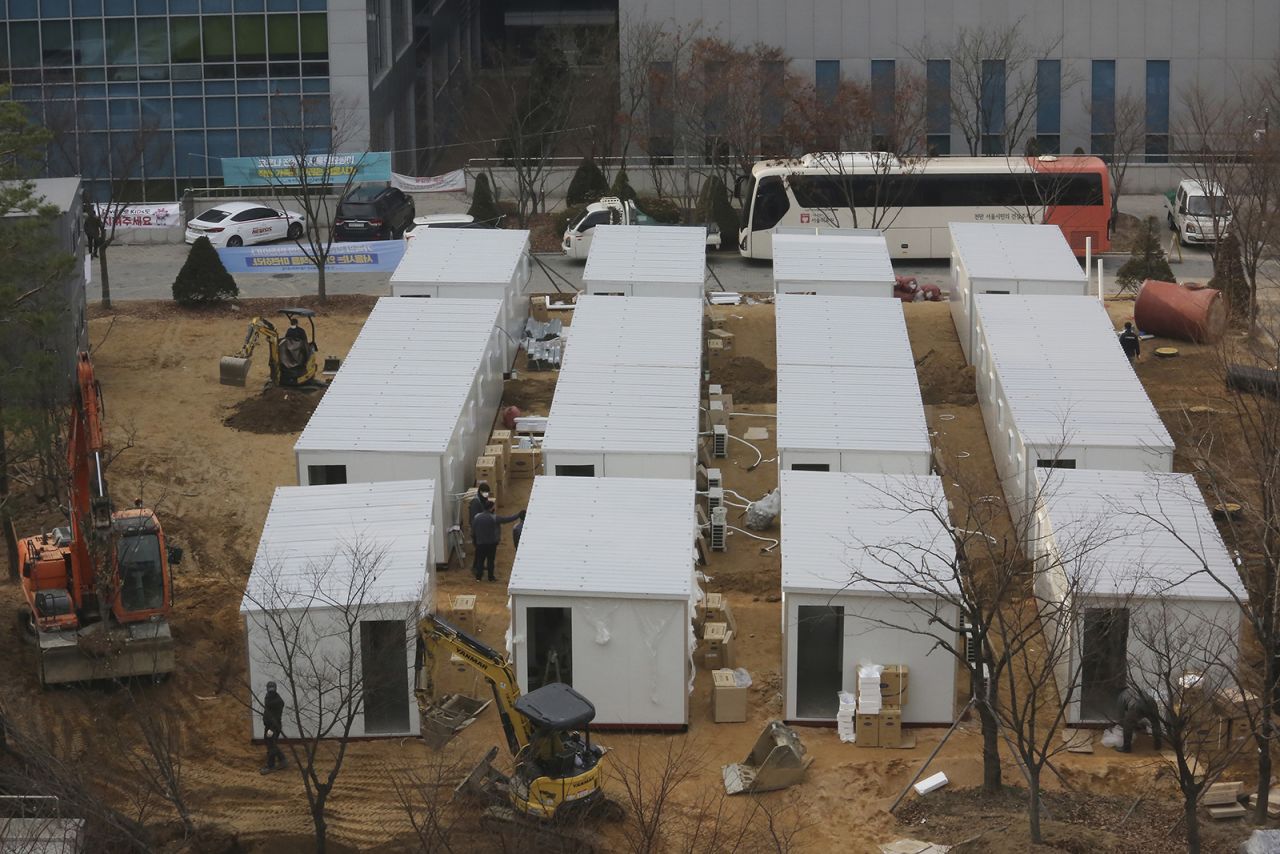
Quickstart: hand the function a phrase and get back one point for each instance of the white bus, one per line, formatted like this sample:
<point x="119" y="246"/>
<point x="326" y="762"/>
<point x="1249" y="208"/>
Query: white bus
<point x="915" y="203"/>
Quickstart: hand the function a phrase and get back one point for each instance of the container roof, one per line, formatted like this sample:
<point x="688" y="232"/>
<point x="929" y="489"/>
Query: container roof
<point x="885" y="529"/>
<point x="831" y="258"/>
<point x="1036" y="253"/>
<point x="1067" y="380"/>
<point x="59" y="192"/>
<point x="647" y="253"/>
<point x="624" y="410"/>
<point x="1138" y="532"/>
<point x="318" y="540"/>
<point x="609" y="537"/>
<point x="634" y="331"/>
<point x="406" y="378"/>
<point x="462" y="255"/>
<point x="830" y="331"/>
<point x="852" y="409"/>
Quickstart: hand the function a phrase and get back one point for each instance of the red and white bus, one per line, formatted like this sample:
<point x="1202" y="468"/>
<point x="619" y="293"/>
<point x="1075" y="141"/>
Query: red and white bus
<point x="916" y="201"/>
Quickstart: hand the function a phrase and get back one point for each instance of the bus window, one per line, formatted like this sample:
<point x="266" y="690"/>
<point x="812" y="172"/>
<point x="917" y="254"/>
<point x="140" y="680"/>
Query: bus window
<point x="771" y="203"/>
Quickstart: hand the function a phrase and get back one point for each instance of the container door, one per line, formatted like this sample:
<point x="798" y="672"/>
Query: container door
<point x="819" y="660"/>
<point x="385" y="675"/>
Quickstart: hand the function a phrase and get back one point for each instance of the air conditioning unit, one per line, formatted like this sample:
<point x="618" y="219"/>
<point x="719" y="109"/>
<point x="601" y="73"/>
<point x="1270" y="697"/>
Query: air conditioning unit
<point x="719" y="528"/>
<point x="715" y="497"/>
<point x="716" y="414"/>
<point x="971" y="654"/>
<point x="719" y="441"/>
<point x="713" y="391"/>
<point x="714" y="479"/>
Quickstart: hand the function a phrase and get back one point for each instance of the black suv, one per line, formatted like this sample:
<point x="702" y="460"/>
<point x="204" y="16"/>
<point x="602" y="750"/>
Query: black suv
<point x="373" y="213"/>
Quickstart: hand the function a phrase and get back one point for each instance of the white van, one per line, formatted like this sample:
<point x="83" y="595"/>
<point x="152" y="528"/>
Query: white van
<point x="1198" y="211"/>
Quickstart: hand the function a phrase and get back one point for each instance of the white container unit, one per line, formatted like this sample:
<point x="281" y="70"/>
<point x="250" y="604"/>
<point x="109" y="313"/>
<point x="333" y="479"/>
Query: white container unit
<point x="1008" y="258"/>
<point x="846" y="540"/>
<point x="832" y="265"/>
<point x="470" y="263"/>
<point x="1149" y="563"/>
<point x="848" y="393"/>
<point x="1056" y="391"/>
<point x="659" y="332"/>
<point x="602" y="595"/>
<point x="414" y="399"/>
<point x="647" y="261"/>
<point x="341" y="567"/>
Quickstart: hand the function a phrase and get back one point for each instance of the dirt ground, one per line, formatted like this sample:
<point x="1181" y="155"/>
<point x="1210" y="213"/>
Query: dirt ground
<point x="212" y="484"/>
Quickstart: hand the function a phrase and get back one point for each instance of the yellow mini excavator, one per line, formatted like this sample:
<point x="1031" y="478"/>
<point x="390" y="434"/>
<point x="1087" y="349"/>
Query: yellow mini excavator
<point x="291" y="356"/>
<point x="558" y="770"/>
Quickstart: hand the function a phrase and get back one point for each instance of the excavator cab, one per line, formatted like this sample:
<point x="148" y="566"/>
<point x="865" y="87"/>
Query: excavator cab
<point x="292" y="355"/>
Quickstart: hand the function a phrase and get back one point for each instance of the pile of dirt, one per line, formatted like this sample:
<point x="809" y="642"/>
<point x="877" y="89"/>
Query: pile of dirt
<point x="942" y="383"/>
<point x="749" y="379"/>
<point x="276" y="410"/>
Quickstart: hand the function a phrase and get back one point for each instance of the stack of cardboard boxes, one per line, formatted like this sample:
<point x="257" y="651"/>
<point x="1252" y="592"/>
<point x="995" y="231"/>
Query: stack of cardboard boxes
<point x="880" y="717"/>
<point x="525" y="460"/>
<point x="718" y="628"/>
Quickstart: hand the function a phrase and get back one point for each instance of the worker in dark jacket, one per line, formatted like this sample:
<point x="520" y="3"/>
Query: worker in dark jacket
<point x="272" y="726"/>
<point x="1136" y="706"/>
<point x="486" y="531"/>
<point x="477" y="505"/>
<point x="518" y="529"/>
<point x="1129" y="342"/>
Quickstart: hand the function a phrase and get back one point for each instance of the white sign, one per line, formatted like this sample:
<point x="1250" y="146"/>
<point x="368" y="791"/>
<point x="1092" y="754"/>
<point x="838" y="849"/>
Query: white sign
<point x="449" y="182"/>
<point x="142" y="216"/>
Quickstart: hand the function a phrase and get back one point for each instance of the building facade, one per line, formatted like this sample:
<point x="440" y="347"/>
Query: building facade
<point x="158" y="91"/>
<point x="1101" y="51"/>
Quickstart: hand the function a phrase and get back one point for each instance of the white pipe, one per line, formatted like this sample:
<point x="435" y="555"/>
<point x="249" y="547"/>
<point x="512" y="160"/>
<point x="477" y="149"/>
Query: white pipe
<point x="1099" y="280"/>
<point x="1088" y="261"/>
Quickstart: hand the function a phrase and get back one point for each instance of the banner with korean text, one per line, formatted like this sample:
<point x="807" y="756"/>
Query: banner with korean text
<point x="379" y="256"/>
<point x="285" y="170"/>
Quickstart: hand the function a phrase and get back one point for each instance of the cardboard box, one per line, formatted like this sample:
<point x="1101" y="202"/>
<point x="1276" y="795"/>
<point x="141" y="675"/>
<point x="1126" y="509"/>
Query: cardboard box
<point x="893" y="686"/>
<point x="717" y="638"/>
<point x="715" y="347"/>
<point x="538" y="309"/>
<point x="499" y="460"/>
<point x="728" y="701"/>
<point x="462" y="611"/>
<point x="525" y="462"/>
<point x="890" y="728"/>
<point x="503" y="438"/>
<point x="487" y="470"/>
<point x="723" y="336"/>
<point x="715" y="609"/>
<point x="868" y="731"/>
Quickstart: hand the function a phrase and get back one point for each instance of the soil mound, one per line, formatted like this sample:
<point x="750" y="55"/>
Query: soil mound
<point x="945" y="384"/>
<point x="276" y="410"/>
<point x="747" y="379"/>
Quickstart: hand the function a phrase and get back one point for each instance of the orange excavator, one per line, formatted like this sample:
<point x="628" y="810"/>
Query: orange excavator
<point x="98" y="591"/>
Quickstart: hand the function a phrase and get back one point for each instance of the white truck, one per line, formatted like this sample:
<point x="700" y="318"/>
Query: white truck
<point x="613" y="211"/>
<point x="1198" y="212"/>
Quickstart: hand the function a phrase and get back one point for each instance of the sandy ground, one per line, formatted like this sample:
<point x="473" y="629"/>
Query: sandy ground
<point x="212" y="486"/>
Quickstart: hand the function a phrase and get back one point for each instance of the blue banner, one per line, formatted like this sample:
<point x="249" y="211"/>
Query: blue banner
<point x="380" y="256"/>
<point x="283" y="170"/>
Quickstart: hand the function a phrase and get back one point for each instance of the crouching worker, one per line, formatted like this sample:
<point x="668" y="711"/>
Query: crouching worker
<point x="1136" y="706"/>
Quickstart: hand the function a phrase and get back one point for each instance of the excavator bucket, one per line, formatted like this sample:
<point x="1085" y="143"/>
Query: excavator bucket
<point x="233" y="370"/>
<point x="777" y="761"/>
<point x="444" y="719"/>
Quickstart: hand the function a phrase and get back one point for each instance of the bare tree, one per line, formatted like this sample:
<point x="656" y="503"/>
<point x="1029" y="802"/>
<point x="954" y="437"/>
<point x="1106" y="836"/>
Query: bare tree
<point x="315" y="171"/>
<point x="644" y="47"/>
<point x="993" y="83"/>
<point x="305" y="628"/>
<point x="152" y="739"/>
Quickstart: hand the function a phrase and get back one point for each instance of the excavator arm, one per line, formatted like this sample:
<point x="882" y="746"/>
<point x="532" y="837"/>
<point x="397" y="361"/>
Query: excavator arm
<point x="233" y="370"/>
<point x="437" y="637"/>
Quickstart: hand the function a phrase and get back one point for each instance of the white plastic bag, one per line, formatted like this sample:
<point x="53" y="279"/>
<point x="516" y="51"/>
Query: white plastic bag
<point x="763" y="513"/>
<point x="1113" y="738"/>
<point x="741" y="678"/>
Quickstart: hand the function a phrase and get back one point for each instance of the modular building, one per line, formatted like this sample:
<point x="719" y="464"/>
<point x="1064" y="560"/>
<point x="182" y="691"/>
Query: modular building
<point x="853" y="554"/>
<point x="658" y="332"/>
<point x="341" y="576"/>
<point x="848" y="393"/>
<point x="1007" y="258"/>
<point x="1056" y="391"/>
<point x="647" y="261"/>
<point x="833" y="264"/>
<point x="1155" y="586"/>
<point x="602" y="595"/>
<point x="415" y="399"/>
<point x="470" y="263"/>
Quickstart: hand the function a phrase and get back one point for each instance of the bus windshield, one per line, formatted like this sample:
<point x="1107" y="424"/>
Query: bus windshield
<point x="141" y="572"/>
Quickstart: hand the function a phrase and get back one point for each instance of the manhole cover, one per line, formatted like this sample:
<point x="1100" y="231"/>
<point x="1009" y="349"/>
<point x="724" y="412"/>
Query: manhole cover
<point x="282" y="275"/>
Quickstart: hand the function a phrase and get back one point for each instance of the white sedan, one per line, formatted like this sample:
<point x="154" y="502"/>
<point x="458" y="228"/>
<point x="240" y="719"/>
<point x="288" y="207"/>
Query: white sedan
<point x="241" y="223"/>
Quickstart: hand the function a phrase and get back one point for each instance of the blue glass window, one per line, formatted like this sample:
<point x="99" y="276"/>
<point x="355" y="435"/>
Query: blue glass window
<point x="316" y="109"/>
<point x="56" y="43"/>
<point x="157" y="113"/>
<point x="91" y="90"/>
<point x="1102" y="105"/>
<point x="255" y="143"/>
<point x="154" y="88"/>
<point x="286" y="110"/>
<point x="188" y="87"/>
<point x="318" y="85"/>
<point x="218" y="41"/>
<point x="317" y="140"/>
<point x="249" y="6"/>
<point x="122" y="47"/>
<point x="253" y="111"/>
<point x="1048" y="138"/>
<point x="215" y="6"/>
<point x="120" y="8"/>
<point x="24" y="38"/>
<point x="220" y="87"/>
<point x="23" y="9"/>
<point x="88" y="43"/>
<point x="222" y="143"/>
<point x="188" y="113"/>
<point x="252" y="87"/>
<point x="938" y="95"/>
<point x="55" y="8"/>
<point x="124" y="113"/>
<point x="313" y="5"/>
<point x="86" y="7"/>
<point x="285" y="86"/>
<point x="188" y="153"/>
<point x="152" y="7"/>
<point x="220" y="112"/>
<point x="282" y="5"/>
<point x="1157" y="110"/>
<point x="158" y="156"/>
<point x="122" y="89"/>
<point x="92" y="113"/>
<point x="184" y="7"/>
<point x="826" y="78"/>
<point x="991" y="106"/>
<point x="882" y="91"/>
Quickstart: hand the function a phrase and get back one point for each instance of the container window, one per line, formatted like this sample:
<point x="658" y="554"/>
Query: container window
<point x="810" y="467"/>
<point x="326" y="475"/>
<point x="576" y="471"/>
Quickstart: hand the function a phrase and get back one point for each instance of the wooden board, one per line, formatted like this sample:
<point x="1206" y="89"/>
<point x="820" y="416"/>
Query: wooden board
<point x="1221" y="794"/>
<point x="1221" y="813"/>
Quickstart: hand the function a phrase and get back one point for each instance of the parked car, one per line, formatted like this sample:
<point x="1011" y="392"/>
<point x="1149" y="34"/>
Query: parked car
<point x="372" y="212"/>
<point x="614" y="211"/>
<point x="242" y="223"/>
<point x="1198" y="211"/>
<point x="444" y="220"/>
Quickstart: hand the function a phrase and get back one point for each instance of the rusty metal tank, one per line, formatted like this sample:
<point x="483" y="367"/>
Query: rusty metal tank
<point x="1190" y="312"/>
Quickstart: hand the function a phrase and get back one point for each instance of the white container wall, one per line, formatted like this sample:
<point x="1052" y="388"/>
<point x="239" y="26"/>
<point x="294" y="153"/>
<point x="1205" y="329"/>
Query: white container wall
<point x="848" y="393"/>
<point x="415" y="399"/>
<point x="647" y="261"/>
<point x="1150" y="562"/>
<point x="836" y="611"/>
<point x="602" y="595"/>
<point x="341" y="567"/>
<point x="1008" y="258"/>
<point x="1056" y="390"/>
<point x="470" y="263"/>
<point x="832" y="265"/>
